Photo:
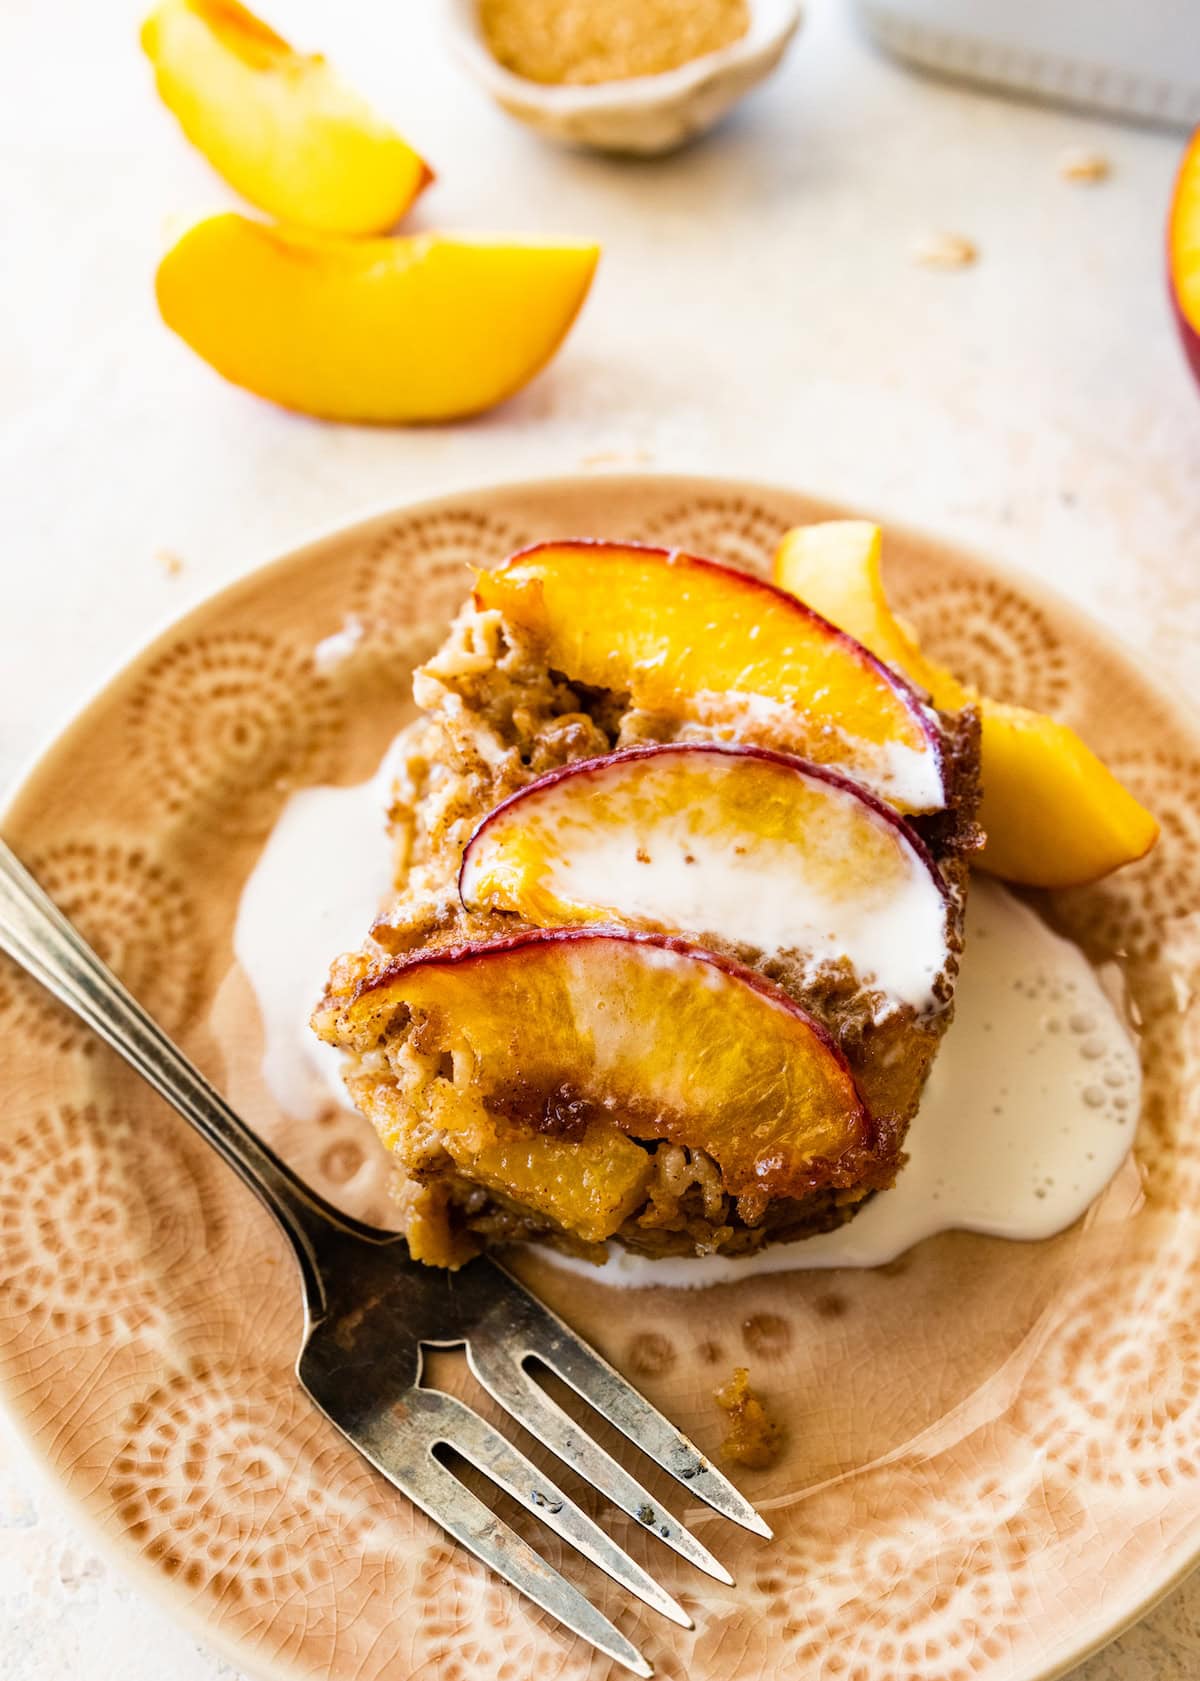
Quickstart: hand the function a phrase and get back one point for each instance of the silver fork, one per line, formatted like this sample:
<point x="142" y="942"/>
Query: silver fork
<point x="371" y="1311"/>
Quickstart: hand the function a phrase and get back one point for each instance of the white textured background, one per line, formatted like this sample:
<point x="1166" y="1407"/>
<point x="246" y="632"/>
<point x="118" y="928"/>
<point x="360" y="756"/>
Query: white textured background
<point x="757" y="311"/>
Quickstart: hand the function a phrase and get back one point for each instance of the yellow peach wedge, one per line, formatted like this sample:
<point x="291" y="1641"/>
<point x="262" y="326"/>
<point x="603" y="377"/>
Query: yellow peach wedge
<point x="1054" y="814"/>
<point x="692" y="640"/>
<point x="836" y="567"/>
<point x="386" y="330"/>
<point x="281" y="127"/>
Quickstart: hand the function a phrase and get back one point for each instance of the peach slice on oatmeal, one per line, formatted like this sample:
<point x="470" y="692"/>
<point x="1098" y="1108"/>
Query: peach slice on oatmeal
<point x="1053" y="813"/>
<point x="418" y="329"/>
<point x="701" y="839"/>
<point x="700" y="643"/>
<point x="282" y="128"/>
<point x="568" y="1033"/>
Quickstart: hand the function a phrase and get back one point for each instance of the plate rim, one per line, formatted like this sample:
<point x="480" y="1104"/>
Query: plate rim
<point x="158" y="1589"/>
<point x="160" y="636"/>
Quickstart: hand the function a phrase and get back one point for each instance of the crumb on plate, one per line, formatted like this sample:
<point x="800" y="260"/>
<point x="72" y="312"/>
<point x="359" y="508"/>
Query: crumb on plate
<point x="1087" y="167"/>
<point x="754" y="1438"/>
<point x="615" y="457"/>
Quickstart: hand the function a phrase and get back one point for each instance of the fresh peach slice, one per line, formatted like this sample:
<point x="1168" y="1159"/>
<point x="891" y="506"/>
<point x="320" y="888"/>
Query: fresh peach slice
<point x="1053" y="813"/>
<point x="740" y="842"/>
<point x="699" y="642"/>
<point x="282" y="128"/>
<point x="836" y="566"/>
<point x="1183" y="252"/>
<point x="427" y="328"/>
<point x="561" y="1031"/>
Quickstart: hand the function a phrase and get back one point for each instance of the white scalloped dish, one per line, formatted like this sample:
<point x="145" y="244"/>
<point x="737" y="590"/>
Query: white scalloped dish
<point x="643" y="114"/>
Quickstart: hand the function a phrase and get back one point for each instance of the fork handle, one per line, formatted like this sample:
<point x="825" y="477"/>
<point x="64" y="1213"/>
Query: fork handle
<point x="36" y="934"/>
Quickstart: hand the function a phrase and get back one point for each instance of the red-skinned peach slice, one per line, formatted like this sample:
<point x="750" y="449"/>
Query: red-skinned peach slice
<point x="561" y="1031"/>
<point x="695" y="641"/>
<point x="1183" y="252"/>
<point x="702" y="839"/>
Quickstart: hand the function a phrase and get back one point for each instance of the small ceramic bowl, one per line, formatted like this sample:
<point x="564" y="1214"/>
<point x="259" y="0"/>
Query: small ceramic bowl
<point x="642" y="114"/>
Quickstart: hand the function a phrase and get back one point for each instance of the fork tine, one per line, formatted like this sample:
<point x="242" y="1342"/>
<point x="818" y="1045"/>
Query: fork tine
<point x="502" y="1375"/>
<point x="451" y="1421"/>
<point x="403" y="1454"/>
<point x="548" y="1339"/>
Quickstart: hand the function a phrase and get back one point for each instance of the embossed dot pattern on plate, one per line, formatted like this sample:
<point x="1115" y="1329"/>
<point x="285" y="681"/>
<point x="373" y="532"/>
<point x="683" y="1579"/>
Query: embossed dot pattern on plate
<point x="982" y="1428"/>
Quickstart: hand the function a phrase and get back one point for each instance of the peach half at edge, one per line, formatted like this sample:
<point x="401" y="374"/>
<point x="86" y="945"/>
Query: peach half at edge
<point x="426" y="328"/>
<point x="1183" y="252"/>
<point x="695" y="641"/>
<point x="637" y="1031"/>
<point x="281" y="127"/>
<point x="1054" y="815"/>
<point x="701" y="838"/>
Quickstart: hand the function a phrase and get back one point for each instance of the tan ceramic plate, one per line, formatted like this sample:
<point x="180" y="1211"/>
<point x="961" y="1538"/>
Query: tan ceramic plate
<point x="994" y="1449"/>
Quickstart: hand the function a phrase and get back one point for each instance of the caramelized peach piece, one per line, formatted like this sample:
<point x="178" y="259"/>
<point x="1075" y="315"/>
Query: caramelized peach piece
<point x="427" y="328"/>
<point x="630" y="1030"/>
<point x="699" y="838"/>
<point x="589" y="1186"/>
<point x="699" y="642"/>
<point x="1053" y="813"/>
<point x="282" y="128"/>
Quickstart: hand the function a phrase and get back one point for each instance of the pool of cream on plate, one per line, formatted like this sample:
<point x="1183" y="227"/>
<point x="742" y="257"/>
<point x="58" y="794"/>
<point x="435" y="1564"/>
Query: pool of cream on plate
<point x="1029" y="1111"/>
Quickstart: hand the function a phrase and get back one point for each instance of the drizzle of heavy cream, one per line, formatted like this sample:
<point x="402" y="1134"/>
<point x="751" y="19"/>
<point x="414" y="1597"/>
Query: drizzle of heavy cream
<point x="1029" y="1112"/>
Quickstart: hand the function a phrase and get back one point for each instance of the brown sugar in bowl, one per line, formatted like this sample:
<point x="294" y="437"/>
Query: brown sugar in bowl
<point x="639" y="113"/>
